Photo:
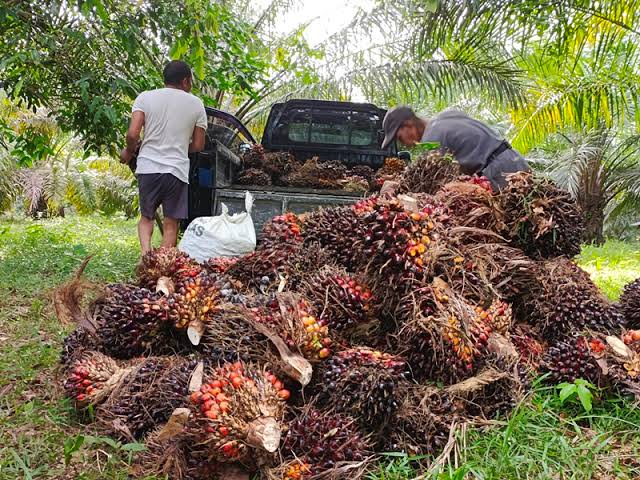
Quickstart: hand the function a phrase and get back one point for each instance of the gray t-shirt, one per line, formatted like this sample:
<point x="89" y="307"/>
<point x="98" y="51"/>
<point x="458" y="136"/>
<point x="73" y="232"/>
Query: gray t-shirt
<point x="470" y="141"/>
<point x="170" y="116"/>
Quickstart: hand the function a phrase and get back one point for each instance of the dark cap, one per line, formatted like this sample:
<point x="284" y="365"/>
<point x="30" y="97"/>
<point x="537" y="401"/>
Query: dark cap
<point x="392" y="122"/>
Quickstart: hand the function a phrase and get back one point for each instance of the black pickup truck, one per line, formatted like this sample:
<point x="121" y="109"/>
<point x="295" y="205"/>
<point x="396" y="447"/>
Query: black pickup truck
<point x="349" y="132"/>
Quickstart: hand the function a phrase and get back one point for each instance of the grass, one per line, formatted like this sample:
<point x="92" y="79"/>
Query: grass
<point x="42" y="438"/>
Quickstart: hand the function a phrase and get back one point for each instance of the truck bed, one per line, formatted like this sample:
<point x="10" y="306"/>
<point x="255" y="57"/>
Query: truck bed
<point x="271" y="201"/>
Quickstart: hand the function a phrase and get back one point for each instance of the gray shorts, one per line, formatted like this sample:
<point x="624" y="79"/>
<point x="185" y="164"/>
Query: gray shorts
<point x="163" y="189"/>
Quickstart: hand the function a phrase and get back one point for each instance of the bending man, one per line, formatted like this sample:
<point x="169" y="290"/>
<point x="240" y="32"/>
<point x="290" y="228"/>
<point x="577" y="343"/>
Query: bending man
<point x="476" y="147"/>
<point x="174" y="123"/>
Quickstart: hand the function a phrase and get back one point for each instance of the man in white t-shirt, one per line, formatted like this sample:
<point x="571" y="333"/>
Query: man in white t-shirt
<point x="175" y="124"/>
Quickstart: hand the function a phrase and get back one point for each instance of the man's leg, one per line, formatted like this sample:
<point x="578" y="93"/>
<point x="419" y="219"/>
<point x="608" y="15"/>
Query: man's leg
<point x="170" y="232"/>
<point x="145" y="231"/>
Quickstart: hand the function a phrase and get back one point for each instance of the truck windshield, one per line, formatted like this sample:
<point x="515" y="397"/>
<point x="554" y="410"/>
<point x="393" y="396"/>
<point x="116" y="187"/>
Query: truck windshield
<point x="332" y="127"/>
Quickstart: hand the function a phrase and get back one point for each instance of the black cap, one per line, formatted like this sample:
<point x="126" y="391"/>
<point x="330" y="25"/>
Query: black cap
<point x="392" y="122"/>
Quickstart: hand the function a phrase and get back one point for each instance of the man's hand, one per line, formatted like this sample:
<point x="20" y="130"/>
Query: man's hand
<point x="125" y="156"/>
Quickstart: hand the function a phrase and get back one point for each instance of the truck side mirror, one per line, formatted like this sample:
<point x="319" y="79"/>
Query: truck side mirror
<point x="404" y="155"/>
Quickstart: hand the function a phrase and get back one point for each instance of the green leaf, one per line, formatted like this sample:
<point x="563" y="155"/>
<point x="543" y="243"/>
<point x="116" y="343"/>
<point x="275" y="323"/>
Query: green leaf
<point x="133" y="447"/>
<point x="431" y="5"/>
<point x="72" y="445"/>
<point x="586" y="397"/>
<point x="567" y="391"/>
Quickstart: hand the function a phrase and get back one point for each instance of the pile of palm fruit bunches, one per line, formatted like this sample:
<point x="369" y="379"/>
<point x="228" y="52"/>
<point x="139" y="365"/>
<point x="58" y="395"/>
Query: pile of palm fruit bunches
<point x="349" y="332"/>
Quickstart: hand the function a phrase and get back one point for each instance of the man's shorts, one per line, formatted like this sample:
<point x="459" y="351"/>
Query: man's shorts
<point x="163" y="189"/>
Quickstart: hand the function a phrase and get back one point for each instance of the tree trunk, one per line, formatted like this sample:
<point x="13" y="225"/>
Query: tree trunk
<point x="593" y="218"/>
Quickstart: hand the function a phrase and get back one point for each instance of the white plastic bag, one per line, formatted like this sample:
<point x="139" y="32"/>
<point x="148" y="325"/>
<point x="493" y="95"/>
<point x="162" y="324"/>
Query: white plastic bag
<point x="222" y="236"/>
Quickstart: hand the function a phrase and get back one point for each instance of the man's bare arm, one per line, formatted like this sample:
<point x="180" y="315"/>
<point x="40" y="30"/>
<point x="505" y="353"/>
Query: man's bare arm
<point x="197" y="140"/>
<point x="133" y="136"/>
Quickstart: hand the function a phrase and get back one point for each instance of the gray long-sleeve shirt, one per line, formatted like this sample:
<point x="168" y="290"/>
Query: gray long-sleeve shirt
<point x="472" y="143"/>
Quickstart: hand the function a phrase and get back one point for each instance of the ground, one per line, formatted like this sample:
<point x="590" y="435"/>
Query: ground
<point x="40" y="437"/>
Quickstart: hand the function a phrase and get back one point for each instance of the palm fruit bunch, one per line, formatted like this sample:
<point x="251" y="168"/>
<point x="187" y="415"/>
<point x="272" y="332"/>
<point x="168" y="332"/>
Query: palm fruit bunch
<point x="219" y="265"/>
<point x="254" y="176"/>
<point x="336" y="230"/>
<point x="572" y="358"/>
<point x="279" y="165"/>
<point x="364" y="383"/>
<point x="364" y="206"/>
<point x="236" y="412"/>
<point x="355" y="184"/>
<point x="540" y="218"/>
<point x="571" y="302"/>
<point x="446" y="338"/>
<point x="530" y="349"/>
<point x="429" y="172"/>
<point x="622" y="358"/>
<point x="484" y="182"/>
<point x="323" y="440"/>
<point x="363" y="171"/>
<point x="264" y="269"/>
<point x="630" y="304"/>
<point x="254" y="158"/>
<point x="194" y="302"/>
<point x="78" y="341"/>
<point x="132" y="321"/>
<point x="281" y="229"/>
<point x="146" y="397"/>
<point x="391" y="170"/>
<point x="165" y="262"/>
<point x="469" y="204"/>
<point x="343" y="302"/>
<point x="90" y="378"/>
<point x="396" y="240"/>
<point x="498" y="316"/>
<point x="317" y="174"/>
<point x="332" y="171"/>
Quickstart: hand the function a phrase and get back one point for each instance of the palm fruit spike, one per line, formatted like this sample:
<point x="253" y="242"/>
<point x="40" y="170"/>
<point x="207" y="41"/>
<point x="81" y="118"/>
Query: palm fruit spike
<point x="397" y="241"/>
<point x="541" y="219"/>
<point x="131" y="321"/>
<point x="630" y="304"/>
<point x="571" y="302"/>
<point x="362" y="382"/>
<point x="165" y="262"/>
<point x="146" y="397"/>
<point x="254" y="158"/>
<point x="90" y="378"/>
<point x="324" y="439"/>
<point x="446" y="338"/>
<point x="343" y="301"/>
<point x="497" y="316"/>
<point x="193" y="305"/>
<point x="254" y="176"/>
<point x="237" y="412"/>
<point x="78" y="341"/>
<point x="572" y="358"/>
<point x="429" y="173"/>
<point x="280" y="230"/>
<point x="219" y="265"/>
<point x="336" y="230"/>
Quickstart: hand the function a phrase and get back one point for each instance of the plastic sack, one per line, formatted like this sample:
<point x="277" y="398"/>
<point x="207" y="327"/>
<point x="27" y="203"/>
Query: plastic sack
<point x="221" y="236"/>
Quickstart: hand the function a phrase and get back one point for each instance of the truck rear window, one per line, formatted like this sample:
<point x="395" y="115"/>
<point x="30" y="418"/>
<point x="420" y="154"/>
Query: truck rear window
<point x="332" y="127"/>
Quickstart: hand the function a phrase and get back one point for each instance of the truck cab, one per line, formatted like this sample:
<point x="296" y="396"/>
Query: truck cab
<point x="344" y="131"/>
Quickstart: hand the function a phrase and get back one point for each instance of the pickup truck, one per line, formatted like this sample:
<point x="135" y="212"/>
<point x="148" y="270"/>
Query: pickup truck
<point x="345" y="131"/>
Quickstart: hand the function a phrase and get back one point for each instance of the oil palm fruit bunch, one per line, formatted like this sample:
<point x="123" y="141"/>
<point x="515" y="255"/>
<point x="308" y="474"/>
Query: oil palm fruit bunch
<point x="165" y="262"/>
<point x="194" y="302"/>
<point x="366" y="205"/>
<point x="219" y="265"/>
<point x="280" y="230"/>
<point x="363" y="383"/>
<point x="279" y="165"/>
<point x="630" y="304"/>
<point x="529" y="347"/>
<point x="429" y="172"/>
<point x="396" y="241"/>
<point x="147" y="396"/>
<point x="446" y="338"/>
<point x="356" y="184"/>
<point x="391" y="170"/>
<point x="363" y="171"/>
<point x="323" y="440"/>
<point x="90" y="378"/>
<point x="293" y="470"/>
<point x="78" y="341"/>
<point x="309" y="175"/>
<point x="571" y="302"/>
<point x="237" y="412"/>
<point x="623" y="361"/>
<point x="264" y="268"/>
<point x="573" y="357"/>
<point x="343" y="302"/>
<point x="254" y="158"/>
<point x="332" y="171"/>
<point x="336" y="230"/>
<point x="132" y="321"/>
<point x="540" y="218"/>
<point x="254" y="176"/>
<point x="470" y="204"/>
<point x="498" y="316"/>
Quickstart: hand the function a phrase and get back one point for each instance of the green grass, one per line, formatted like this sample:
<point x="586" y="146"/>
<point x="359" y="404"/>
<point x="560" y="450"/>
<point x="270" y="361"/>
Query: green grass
<point x="540" y="440"/>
